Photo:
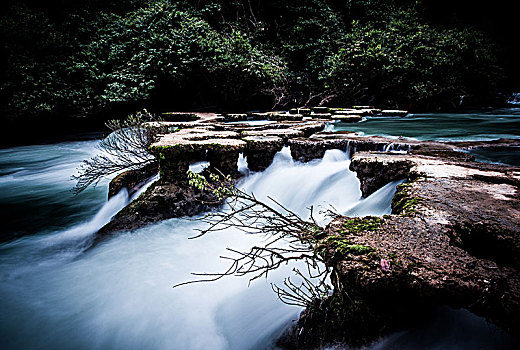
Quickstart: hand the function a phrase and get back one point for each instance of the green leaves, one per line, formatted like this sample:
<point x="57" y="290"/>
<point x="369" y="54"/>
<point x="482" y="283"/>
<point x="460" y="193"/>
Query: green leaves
<point x="407" y="61"/>
<point x="221" y="188"/>
<point x="237" y="55"/>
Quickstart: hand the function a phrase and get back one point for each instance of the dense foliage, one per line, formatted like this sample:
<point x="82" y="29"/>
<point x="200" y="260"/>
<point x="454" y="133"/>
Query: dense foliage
<point x="92" y="57"/>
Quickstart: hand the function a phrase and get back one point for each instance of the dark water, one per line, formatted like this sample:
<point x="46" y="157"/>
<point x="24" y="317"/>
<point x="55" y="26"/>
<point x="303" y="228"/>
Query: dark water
<point x="509" y="155"/>
<point x="35" y="188"/>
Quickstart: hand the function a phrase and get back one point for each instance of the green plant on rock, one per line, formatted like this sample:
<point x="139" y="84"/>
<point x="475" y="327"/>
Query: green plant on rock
<point x="219" y="186"/>
<point x="344" y="246"/>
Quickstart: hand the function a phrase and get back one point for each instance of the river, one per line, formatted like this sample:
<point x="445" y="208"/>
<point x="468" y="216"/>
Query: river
<point x="482" y="125"/>
<point x="59" y="292"/>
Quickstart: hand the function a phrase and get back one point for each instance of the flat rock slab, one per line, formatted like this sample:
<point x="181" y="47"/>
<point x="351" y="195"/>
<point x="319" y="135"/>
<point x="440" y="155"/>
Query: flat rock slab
<point x="187" y="143"/>
<point x="283" y="133"/>
<point x="393" y="113"/>
<point x="263" y="143"/>
<point x="183" y="146"/>
<point x="350" y="118"/>
<point x="351" y="112"/>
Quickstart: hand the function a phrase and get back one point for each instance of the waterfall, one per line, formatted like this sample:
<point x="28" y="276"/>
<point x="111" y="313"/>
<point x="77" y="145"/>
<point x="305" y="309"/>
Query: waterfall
<point x="321" y="183"/>
<point x="55" y="294"/>
<point x="119" y="294"/>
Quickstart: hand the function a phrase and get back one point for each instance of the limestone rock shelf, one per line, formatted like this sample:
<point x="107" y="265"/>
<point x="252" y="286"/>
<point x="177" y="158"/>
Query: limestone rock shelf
<point x="453" y="236"/>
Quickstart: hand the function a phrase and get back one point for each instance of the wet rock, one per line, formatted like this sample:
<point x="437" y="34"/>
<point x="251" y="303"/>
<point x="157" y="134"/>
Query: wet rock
<point x="224" y="156"/>
<point x="500" y="144"/>
<point x="304" y="111"/>
<point x="285" y="116"/>
<point x="321" y="115"/>
<point x="164" y="199"/>
<point x="315" y="146"/>
<point x="235" y="117"/>
<point x="175" y="151"/>
<point x="285" y="134"/>
<point x="261" y="150"/>
<point x="334" y="135"/>
<point x="305" y="150"/>
<point x="309" y="128"/>
<point x="364" y="107"/>
<point x="348" y="112"/>
<point x="393" y="113"/>
<point x="319" y="110"/>
<point x="376" y="170"/>
<point x="351" y="118"/>
<point x="259" y="115"/>
<point x="132" y="180"/>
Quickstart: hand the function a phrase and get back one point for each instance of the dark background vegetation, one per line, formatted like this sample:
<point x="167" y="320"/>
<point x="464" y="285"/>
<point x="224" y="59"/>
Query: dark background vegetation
<point x="76" y="63"/>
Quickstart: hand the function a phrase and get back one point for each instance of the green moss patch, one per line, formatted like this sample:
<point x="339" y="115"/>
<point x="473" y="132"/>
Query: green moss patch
<point x="358" y="225"/>
<point x="404" y="203"/>
<point x="343" y="246"/>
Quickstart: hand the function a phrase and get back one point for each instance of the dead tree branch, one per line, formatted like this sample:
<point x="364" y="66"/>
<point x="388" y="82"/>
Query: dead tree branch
<point x="288" y="238"/>
<point x="126" y="148"/>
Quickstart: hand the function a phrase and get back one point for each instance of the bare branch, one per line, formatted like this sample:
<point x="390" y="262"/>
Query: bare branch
<point x="289" y="238"/>
<point x="126" y="148"/>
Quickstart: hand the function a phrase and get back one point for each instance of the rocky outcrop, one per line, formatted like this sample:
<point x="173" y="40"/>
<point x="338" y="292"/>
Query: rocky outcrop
<point x="314" y="147"/>
<point x="375" y="172"/>
<point x="175" y="151"/>
<point x="132" y="180"/>
<point x="261" y="150"/>
<point x="453" y="238"/>
<point x="163" y="200"/>
<point x="190" y="137"/>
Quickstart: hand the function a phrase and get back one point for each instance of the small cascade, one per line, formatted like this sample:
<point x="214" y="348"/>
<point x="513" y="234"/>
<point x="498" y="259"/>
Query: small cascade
<point x="242" y="164"/>
<point x="378" y="203"/>
<point x="388" y="147"/>
<point x="144" y="187"/>
<point x="320" y="183"/>
<point x="349" y="151"/>
<point x="329" y="127"/>
<point x="198" y="167"/>
<point x="119" y="294"/>
<point x="396" y="148"/>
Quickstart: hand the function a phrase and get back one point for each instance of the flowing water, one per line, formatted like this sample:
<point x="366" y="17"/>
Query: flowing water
<point x="476" y="126"/>
<point x="58" y="292"/>
<point x="35" y="188"/>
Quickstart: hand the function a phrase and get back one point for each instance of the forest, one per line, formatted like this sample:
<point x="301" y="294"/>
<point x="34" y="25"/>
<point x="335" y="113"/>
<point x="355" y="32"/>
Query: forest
<point x="91" y="60"/>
